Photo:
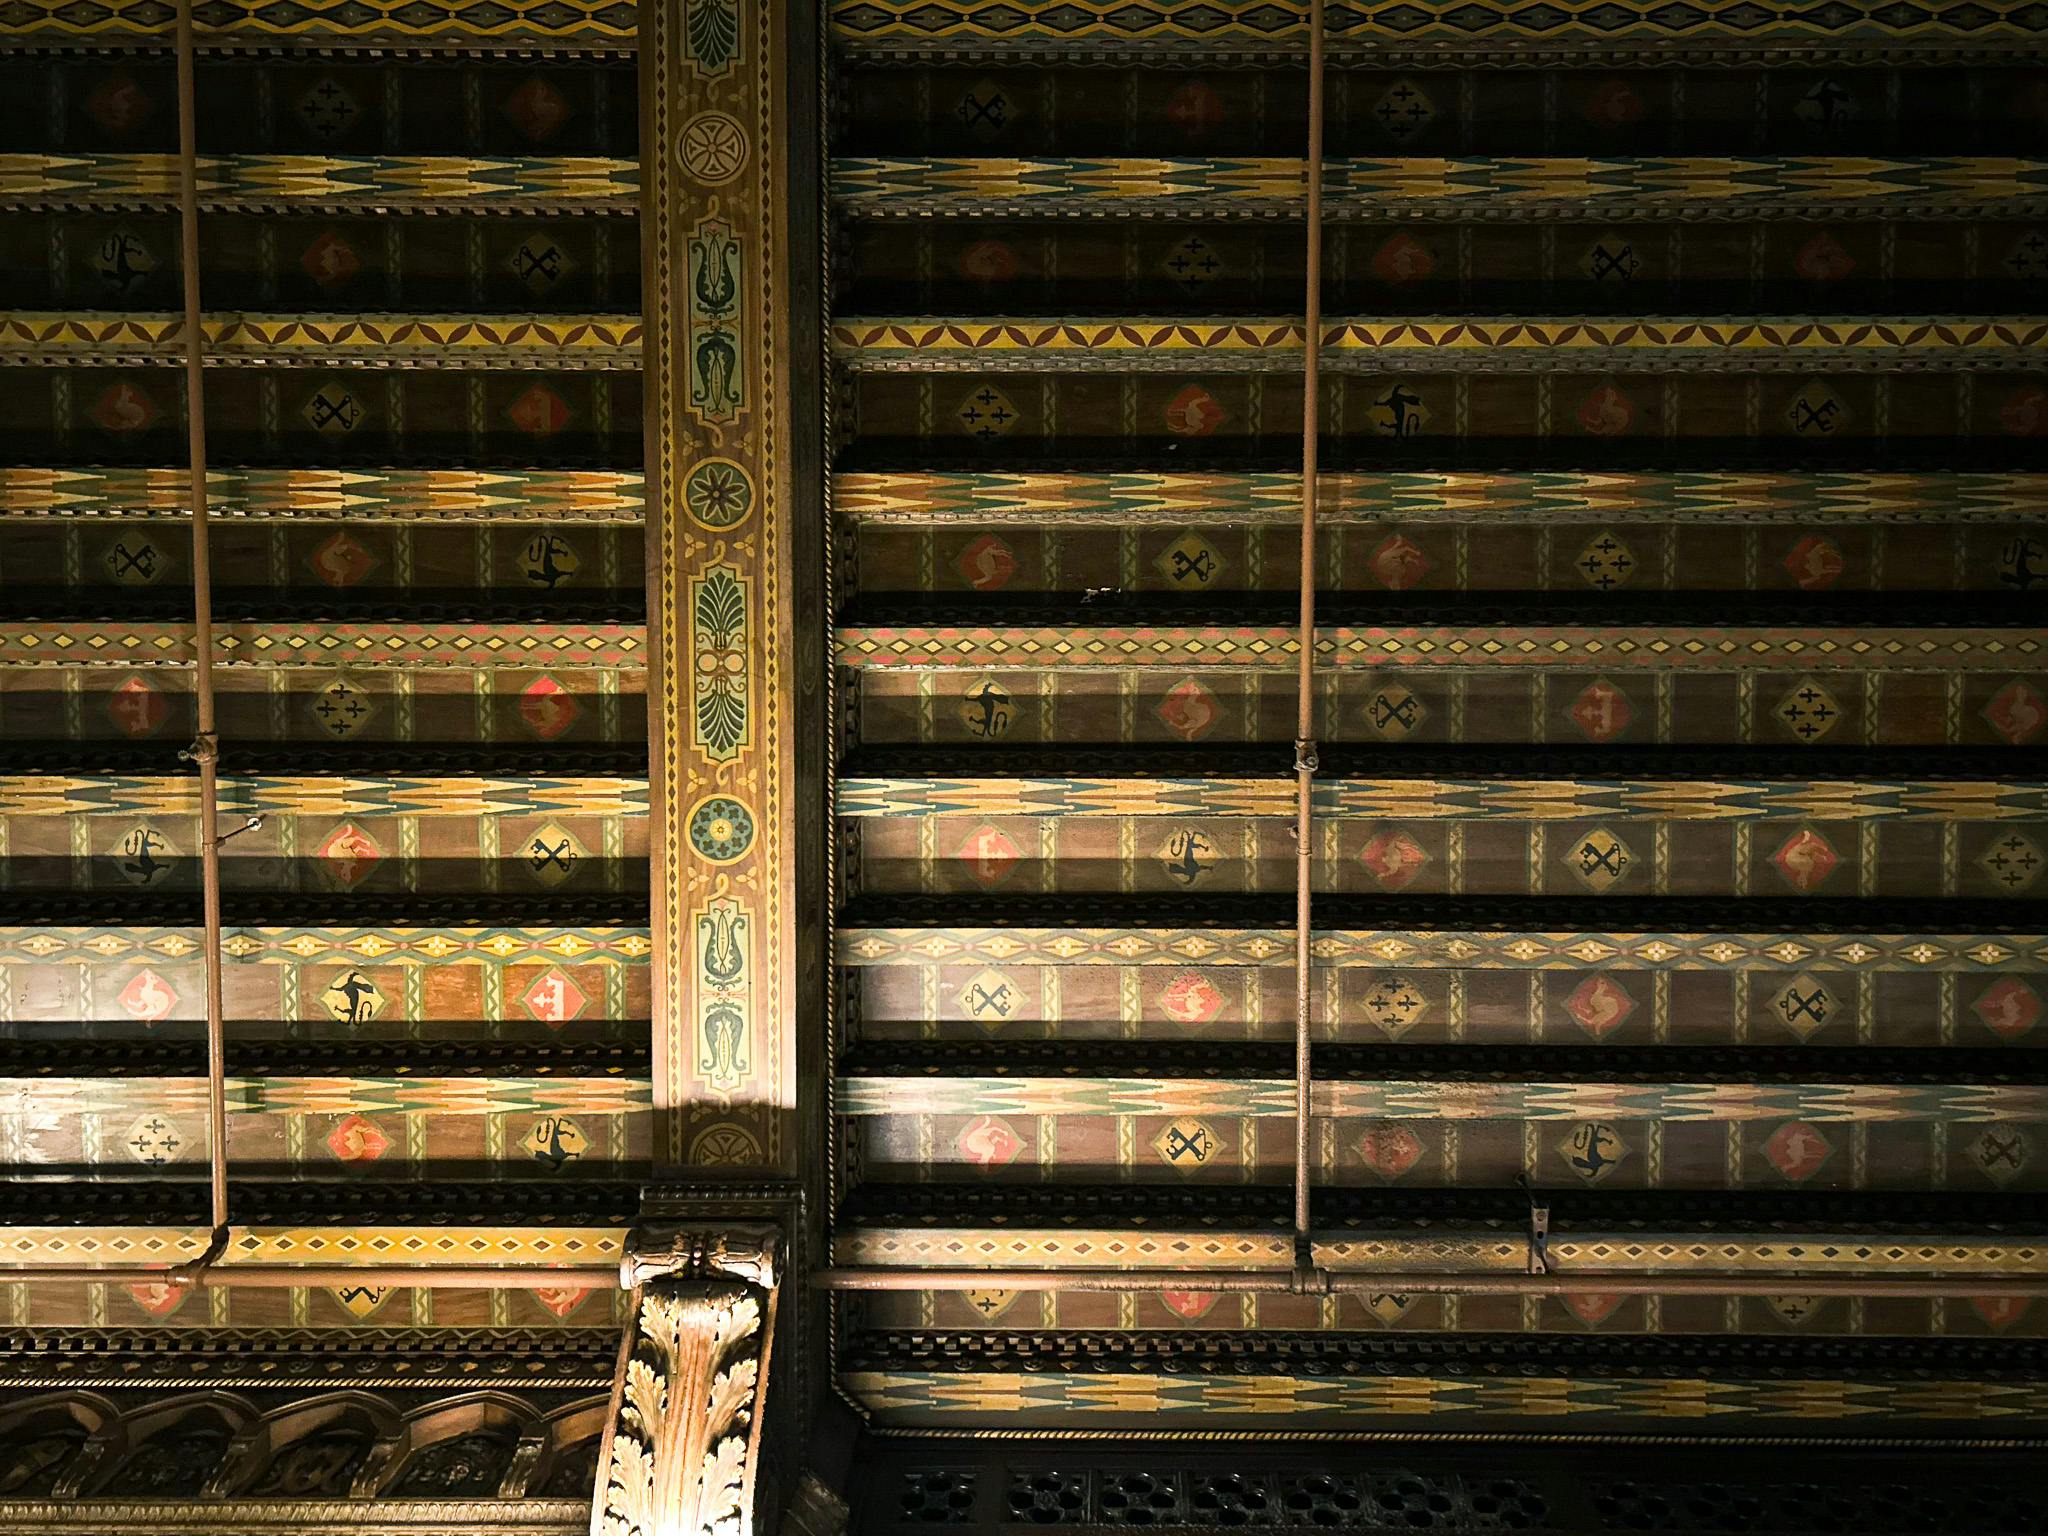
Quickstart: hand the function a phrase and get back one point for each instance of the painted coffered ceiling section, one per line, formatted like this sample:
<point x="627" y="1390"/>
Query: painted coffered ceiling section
<point x="1679" y="694"/>
<point x="420" y="271"/>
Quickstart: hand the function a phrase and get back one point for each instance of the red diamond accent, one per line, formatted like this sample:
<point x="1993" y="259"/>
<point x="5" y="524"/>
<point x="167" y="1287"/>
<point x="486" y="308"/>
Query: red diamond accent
<point x="1193" y="412"/>
<point x="157" y="1298"/>
<point x="1797" y="1150"/>
<point x="2026" y="413"/>
<point x="1194" y="109"/>
<point x="990" y="1143"/>
<point x="1390" y="1150"/>
<point x="989" y="261"/>
<point x="358" y="1140"/>
<point x="351" y="853"/>
<point x="561" y="1299"/>
<point x="547" y="708"/>
<point x="148" y="998"/>
<point x="1805" y="859"/>
<point x="1191" y="998"/>
<point x="1601" y="710"/>
<point x="118" y="104"/>
<point x="1815" y="563"/>
<point x="555" y="999"/>
<point x="2015" y="712"/>
<point x="137" y="708"/>
<point x="1822" y="259"/>
<point x="987" y="564"/>
<point x="342" y="562"/>
<point x="2008" y="1007"/>
<point x="537" y="109"/>
<point x="1613" y="104"/>
<point x="1607" y="412"/>
<point x="331" y="261"/>
<point x="2001" y="1312"/>
<point x="1189" y="1304"/>
<point x="1394" y="858"/>
<point x="1593" y="1307"/>
<point x="1399" y="562"/>
<point x="1189" y="710"/>
<point x="540" y="412"/>
<point x="125" y="408"/>
<point x="1402" y="259"/>
<point x="988" y="854"/>
<point x="1600" y="1004"/>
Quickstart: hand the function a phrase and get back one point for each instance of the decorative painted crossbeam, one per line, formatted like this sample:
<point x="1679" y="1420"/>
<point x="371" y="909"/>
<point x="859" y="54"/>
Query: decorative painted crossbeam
<point x="326" y="341"/>
<point x="1274" y="647"/>
<point x="1261" y="1097"/>
<point x="462" y="795"/>
<point x="1477" y="949"/>
<point x="1058" y="499"/>
<point x="1437" y="800"/>
<point x="405" y="946"/>
<point x="1143" y="1402"/>
<point x="425" y="1094"/>
<point x="456" y="495"/>
<point x="885" y="27"/>
<point x="585" y="24"/>
<point x="1443" y="1248"/>
<point x="1376" y="345"/>
<point x="260" y="1245"/>
<point x="326" y="645"/>
<point x="1408" y="187"/>
<point x="370" y="183"/>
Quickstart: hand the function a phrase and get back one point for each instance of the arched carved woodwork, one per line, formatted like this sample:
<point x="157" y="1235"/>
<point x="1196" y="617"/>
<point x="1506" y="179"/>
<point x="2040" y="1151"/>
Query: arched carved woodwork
<point x="327" y="1447"/>
<point x="174" y="1448"/>
<point x="469" y="1448"/>
<point x="50" y="1445"/>
<point x="683" y="1440"/>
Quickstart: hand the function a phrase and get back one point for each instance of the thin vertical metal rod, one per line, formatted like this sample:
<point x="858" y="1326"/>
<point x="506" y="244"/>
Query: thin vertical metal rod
<point x="1305" y="716"/>
<point x="205" y="749"/>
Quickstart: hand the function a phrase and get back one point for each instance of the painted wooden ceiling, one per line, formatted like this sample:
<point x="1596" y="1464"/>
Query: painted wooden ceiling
<point x="1679" y="697"/>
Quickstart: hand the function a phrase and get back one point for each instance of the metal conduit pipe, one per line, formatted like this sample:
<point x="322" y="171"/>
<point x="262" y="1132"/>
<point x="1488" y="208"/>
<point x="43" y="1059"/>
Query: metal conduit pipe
<point x="205" y="748"/>
<point x="1305" y="716"/>
<point x="1378" y="1282"/>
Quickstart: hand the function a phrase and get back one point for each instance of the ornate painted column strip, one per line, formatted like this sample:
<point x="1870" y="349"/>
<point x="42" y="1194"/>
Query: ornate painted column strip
<point x="713" y="180"/>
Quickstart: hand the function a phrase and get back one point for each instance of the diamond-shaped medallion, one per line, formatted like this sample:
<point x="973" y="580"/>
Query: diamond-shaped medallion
<point x="341" y="560"/>
<point x="1188" y="709"/>
<point x="987" y="564"/>
<point x="361" y="1301"/>
<point x="147" y="998"/>
<point x="547" y="708"/>
<point x="1191" y="563"/>
<point x="2002" y="1152"/>
<point x="1186" y="854"/>
<point x="540" y="262"/>
<point x="1601" y="711"/>
<point x="144" y="855"/>
<point x="1194" y="412"/>
<point x="1193" y="264"/>
<point x="334" y="410"/>
<point x="1817" y="410"/>
<point x="1797" y="1150"/>
<point x="2008" y="1007"/>
<point x="1187" y="1143"/>
<point x="1393" y="1003"/>
<point x="1804" y="1004"/>
<point x="1805" y="859"/>
<point x="328" y="109"/>
<point x="1385" y="1307"/>
<point x="1606" y="562"/>
<point x="538" y="411"/>
<point x="987" y="709"/>
<point x="537" y="109"/>
<point x="2013" y="862"/>
<point x="554" y="998"/>
<point x="552" y="854"/>
<point x="986" y="109"/>
<point x="1389" y="1149"/>
<point x="1808" y="711"/>
<point x="1191" y="998"/>
<point x="1815" y="563"/>
<point x="343" y="707"/>
<point x="988" y="855"/>
<point x="1593" y="1149"/>
<point x="988" y="1142"/>
<point x="154" y="1140"/>
<point x="555" y="1141"/>
<point x="1402" y="259"/>
<point x="1190" y="1304"/>
<point x="349" y="854"/>
<point x="2016" y="712"/>
<point x="990" y="999"/>
<point x="1599" y="1005"/>
<point x="1403" y="111"/>
<point x="1393" y="713"/>
<point x="357" y="1139"/>
<point x="1599" y="858"/>
<point x="330" y="261"/>
<point x="989" y="1304"/>
<point x="352" y="998"/>
<point x="1392" y="858"/>
<point x="1611" y="258"/>
<point x="123" y="408"/>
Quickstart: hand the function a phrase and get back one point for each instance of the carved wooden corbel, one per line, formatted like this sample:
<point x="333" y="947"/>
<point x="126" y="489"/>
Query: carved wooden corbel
<point x="683" y="1436"/>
